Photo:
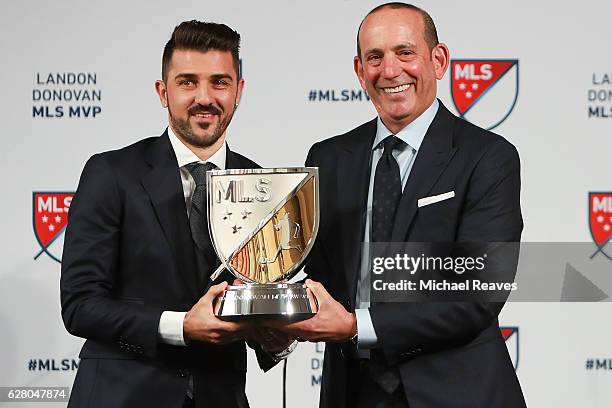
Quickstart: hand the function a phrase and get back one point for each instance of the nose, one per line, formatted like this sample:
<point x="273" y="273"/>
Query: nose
<point x="203" y="95"/>
<point x="390" y="67"/>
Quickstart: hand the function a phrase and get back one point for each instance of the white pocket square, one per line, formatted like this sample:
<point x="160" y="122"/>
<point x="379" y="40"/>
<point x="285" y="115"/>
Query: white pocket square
<point x="435" y="199"/>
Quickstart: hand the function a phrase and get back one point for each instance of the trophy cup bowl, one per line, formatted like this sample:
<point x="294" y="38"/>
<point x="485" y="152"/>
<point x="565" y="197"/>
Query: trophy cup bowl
<point x="263" y="224"/>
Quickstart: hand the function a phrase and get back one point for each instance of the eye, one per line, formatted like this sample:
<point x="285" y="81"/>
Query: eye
<point x="374" y="59"/>
<point x="186" y="83"/>
<point x="221" y="83"/>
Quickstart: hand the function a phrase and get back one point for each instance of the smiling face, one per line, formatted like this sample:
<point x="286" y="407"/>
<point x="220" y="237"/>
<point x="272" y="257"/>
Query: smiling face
<point x="397" y="67"/>
<point x="201" y="92"/>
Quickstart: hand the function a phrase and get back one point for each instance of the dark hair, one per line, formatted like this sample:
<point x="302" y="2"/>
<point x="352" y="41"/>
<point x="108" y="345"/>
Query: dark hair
<point x="430" y="33"/>
<point x="201" y="36"/>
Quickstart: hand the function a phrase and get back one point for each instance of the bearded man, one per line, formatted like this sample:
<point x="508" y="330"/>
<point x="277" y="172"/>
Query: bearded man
<point x="138" y="257"/>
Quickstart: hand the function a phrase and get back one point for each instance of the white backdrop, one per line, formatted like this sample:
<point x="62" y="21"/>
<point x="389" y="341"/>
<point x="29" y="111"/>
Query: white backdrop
<point x="290" y="49"/>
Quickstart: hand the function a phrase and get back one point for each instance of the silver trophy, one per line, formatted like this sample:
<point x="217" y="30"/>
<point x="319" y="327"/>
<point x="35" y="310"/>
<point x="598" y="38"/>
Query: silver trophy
<point x="263" y="224"/>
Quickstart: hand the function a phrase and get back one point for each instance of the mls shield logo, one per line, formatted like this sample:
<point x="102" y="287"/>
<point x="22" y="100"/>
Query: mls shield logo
<point x="511" y="336"/>
<point x="263" y="222"/>
<point x="485" y="91"/>
<point x="50" y="217"/>
<point x="600" y="221"/>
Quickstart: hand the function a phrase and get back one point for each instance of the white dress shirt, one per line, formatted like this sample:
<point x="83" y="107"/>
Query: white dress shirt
<point x="170" y="328"/>
<point x="405" y="155"/>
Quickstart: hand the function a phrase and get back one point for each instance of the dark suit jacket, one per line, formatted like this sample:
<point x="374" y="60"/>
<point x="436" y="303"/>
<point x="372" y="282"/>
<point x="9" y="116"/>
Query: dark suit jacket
<point x="128" y="256"/>
<point x="448" y="354"/>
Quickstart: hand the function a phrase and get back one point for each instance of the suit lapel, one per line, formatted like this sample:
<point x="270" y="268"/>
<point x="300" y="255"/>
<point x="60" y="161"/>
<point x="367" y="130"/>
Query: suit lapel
<point x="232" y="160"/>
<point x="164" y="186"/>
<point x="434" y="155"/>
<point x="353" y="181"/>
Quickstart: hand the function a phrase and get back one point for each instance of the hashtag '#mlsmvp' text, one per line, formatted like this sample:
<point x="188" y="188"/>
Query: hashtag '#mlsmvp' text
<point x="32" y="365"/>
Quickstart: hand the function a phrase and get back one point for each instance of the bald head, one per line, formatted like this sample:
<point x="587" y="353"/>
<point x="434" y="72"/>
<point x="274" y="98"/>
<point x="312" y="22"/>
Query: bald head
<point x="430" y="33"/>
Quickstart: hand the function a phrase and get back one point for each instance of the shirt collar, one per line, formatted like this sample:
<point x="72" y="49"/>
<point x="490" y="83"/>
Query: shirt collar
<point x="184" y="156"/>
<point x="413" y="133"/>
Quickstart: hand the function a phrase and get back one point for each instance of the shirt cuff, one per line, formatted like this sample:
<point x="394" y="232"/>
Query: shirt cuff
<point x="366" y="337"/>
<point x="170" y="328"/>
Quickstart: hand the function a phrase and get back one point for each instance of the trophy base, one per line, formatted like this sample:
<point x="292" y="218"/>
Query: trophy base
<point x="282" y="301"/>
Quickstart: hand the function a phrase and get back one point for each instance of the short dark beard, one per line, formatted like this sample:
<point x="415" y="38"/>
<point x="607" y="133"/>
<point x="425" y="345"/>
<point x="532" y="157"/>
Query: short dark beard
<point x="183" y="130"/>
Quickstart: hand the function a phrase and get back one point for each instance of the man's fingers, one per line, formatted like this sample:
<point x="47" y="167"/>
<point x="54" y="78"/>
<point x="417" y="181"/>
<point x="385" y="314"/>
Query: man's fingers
<point x="215" y="291"/>
<point x="303" y="335"/>
<point x="228" y="332"/>
<point x="279" y="325"/>
<point x="227" y="339"/>
<point x="232" y="327"/>
<point x="296" y="329"/>
<point x="318" y="290"/>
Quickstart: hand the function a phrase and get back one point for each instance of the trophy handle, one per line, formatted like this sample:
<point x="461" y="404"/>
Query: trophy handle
<point x="217" y="272"/>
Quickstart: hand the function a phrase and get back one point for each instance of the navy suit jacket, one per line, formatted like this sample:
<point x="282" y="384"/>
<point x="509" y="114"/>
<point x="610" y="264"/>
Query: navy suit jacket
<point x="448" y="354"/>
<point x="129" y="256"/>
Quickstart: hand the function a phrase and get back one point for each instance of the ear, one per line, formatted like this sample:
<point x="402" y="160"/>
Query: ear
<point x="239" y="90"/>
<point x="358" y="66"/>
<point x="160" y="88"/>
<point x="440" y="55"/>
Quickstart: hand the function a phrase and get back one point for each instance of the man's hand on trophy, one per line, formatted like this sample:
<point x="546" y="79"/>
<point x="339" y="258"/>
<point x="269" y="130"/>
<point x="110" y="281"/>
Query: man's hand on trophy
<point x="332" y="322"/>
<point x="201" y="324"/>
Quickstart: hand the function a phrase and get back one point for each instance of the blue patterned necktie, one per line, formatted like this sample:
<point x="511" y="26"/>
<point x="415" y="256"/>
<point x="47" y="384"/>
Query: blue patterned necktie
<point x="387" y="191"/>
<point x="386" y="195"/>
